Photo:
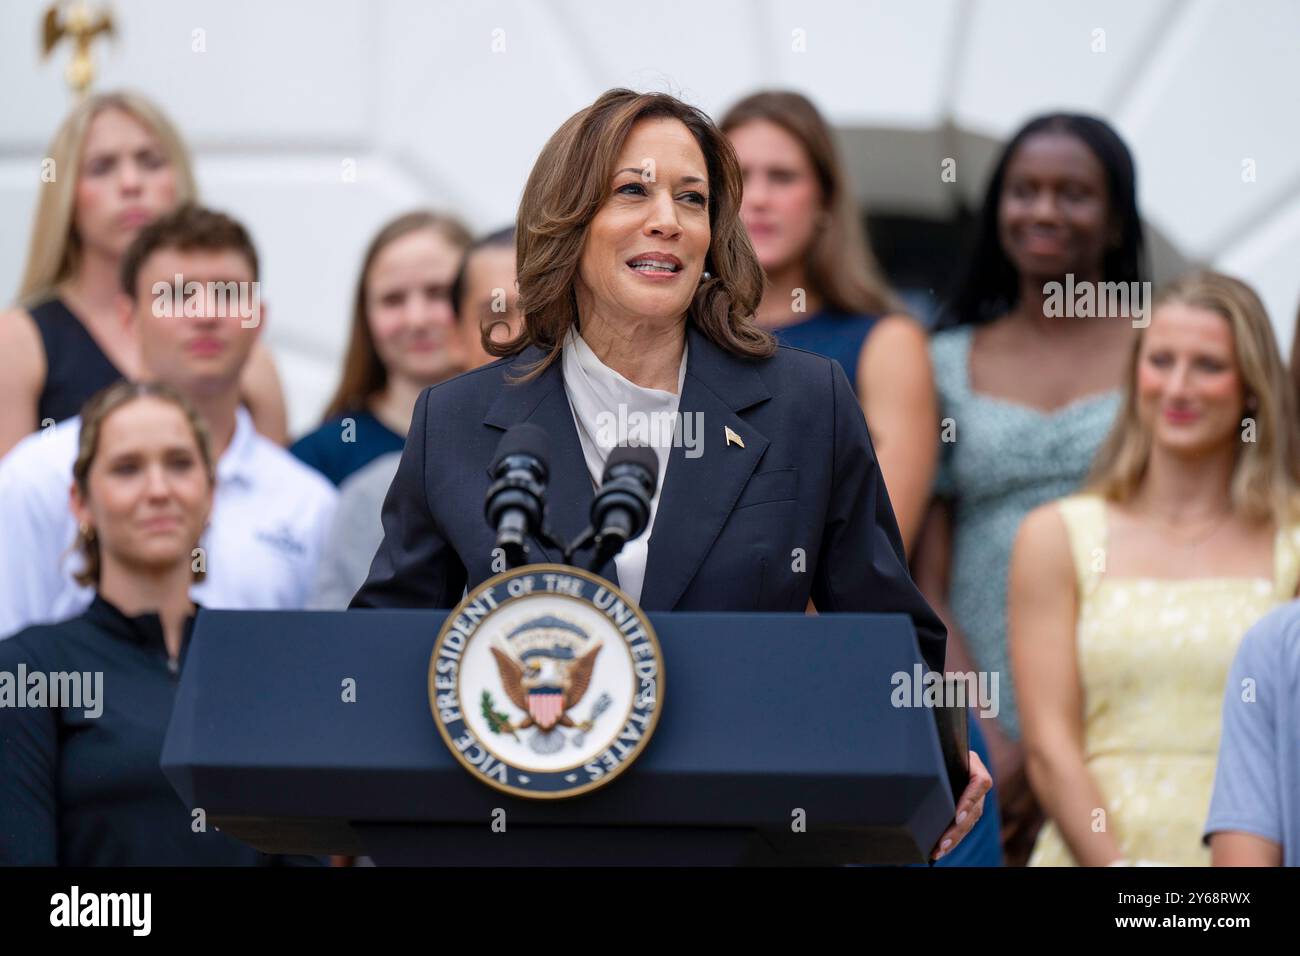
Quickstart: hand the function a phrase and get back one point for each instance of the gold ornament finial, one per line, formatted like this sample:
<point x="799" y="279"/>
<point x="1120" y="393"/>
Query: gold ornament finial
<point x="81" y="25"/>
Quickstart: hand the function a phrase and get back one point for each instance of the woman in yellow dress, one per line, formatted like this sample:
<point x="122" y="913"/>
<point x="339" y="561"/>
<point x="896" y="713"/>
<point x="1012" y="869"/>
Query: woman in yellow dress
<point x="1127" y="601"/>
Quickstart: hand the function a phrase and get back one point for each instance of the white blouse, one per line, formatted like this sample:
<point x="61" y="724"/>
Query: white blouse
<point x="609" y="410"/>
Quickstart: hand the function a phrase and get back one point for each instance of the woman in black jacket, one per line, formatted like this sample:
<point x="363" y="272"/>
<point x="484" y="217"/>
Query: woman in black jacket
<point x="88" y="700"/>
<point x="638" y="285"/>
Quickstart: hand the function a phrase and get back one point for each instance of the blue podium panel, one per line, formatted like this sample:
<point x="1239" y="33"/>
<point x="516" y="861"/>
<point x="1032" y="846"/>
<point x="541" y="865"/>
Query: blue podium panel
<point x="777" y="741"/>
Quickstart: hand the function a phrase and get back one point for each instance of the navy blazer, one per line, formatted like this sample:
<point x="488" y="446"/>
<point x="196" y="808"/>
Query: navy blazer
<point x="800" y="511"/>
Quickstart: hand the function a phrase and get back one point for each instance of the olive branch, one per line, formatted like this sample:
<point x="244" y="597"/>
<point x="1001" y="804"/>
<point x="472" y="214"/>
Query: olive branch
<point x="496" y="721"/>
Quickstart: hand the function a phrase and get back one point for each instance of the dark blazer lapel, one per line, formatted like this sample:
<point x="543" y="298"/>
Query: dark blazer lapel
<point x="699" y="493"/>
<point x="543" y="402"/>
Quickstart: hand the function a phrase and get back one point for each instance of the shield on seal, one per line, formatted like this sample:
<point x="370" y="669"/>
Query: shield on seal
<point x="546" y="704"/>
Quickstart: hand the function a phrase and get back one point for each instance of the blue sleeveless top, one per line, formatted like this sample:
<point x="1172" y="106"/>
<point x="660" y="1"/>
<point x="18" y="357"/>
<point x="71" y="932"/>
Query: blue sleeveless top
<point x="337" y="453"/>
<point x="837" y="335"/>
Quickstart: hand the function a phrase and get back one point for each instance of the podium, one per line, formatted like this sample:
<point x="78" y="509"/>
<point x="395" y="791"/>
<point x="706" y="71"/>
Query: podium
<point x="780" y="741"/>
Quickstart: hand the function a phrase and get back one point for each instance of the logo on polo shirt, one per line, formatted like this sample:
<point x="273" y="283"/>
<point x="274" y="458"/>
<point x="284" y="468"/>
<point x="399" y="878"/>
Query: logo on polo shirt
<point x="546" y="681"/>
<point x="283" y="540"/>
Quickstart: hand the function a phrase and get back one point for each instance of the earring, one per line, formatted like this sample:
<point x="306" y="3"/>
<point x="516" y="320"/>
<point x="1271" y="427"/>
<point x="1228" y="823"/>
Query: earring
<point x="87" y="531"/>
<point x="706" y="275"/>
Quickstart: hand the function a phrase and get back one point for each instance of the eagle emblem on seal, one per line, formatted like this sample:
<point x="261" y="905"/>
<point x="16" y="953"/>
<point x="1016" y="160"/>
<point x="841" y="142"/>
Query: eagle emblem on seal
<point x="545" y="666"/>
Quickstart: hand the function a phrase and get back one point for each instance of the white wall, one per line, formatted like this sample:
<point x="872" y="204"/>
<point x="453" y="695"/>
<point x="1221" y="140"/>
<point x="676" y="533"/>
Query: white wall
<point x="417" y="98"/>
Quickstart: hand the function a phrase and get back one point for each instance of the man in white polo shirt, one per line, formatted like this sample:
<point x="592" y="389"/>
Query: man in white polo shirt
<point x="195" y="332"/>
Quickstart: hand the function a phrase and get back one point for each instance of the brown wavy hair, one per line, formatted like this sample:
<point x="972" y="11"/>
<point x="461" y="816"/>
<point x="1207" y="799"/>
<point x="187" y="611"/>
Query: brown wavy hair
<point x="839" y="263"/>
<point x="1295" y="360"/>
<point x="93" y="415"/>
<point x="1266" y="477"/>
<point x="565" y="190"/>
<point x="364" y="374"/>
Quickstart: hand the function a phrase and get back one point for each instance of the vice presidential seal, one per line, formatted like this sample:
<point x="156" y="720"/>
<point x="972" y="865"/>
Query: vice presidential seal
<point x="546" y="681"/>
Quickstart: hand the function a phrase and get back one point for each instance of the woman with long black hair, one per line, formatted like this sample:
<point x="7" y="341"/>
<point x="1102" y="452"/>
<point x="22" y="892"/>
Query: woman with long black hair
<point x="1028" y="387"/>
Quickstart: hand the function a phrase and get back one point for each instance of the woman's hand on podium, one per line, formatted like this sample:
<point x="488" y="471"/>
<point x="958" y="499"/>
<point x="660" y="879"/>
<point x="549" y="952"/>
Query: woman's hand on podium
<point x="969" y="808"/>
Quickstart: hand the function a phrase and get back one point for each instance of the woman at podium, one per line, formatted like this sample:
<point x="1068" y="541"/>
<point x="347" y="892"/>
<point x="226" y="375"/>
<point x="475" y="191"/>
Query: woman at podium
<point x="638" y="285"/>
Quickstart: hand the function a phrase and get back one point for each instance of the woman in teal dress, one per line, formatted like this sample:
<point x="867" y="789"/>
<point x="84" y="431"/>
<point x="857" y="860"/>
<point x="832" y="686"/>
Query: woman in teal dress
<point x="1026" y="394"/>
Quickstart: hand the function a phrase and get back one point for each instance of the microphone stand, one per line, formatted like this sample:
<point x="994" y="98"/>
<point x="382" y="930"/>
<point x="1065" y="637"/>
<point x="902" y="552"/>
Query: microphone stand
<point x="517" y="558"/>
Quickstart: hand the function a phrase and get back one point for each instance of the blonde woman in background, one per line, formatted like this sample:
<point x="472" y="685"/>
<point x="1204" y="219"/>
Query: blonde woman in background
<point x="117" y="165"/>
<point x="1128" y="600"/>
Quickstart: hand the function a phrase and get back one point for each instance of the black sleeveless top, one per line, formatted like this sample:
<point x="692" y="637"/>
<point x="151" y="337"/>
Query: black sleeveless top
<point x="75" y="366"/>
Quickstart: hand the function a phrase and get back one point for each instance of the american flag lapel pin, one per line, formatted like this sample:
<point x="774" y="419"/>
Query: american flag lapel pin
<point x="732" y="437"/>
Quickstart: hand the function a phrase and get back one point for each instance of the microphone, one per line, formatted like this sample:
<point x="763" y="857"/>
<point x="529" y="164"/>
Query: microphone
<point x="621" y="508"/>
<point x="516" y="500"/>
